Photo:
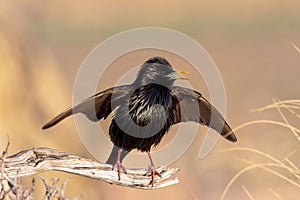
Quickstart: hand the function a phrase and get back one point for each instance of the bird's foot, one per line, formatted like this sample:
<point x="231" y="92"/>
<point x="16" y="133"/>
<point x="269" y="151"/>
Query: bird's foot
<point x="119" y="167"/>
<point x="152" y="171"/>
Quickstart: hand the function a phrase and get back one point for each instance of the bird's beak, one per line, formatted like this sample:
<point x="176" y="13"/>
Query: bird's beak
<point x="179" y="73"/>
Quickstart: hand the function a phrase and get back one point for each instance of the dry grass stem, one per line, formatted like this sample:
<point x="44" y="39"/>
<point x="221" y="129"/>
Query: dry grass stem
<point x="265" y="166"/>
<point x="247" y="192"/>
<point x="191" y="193"/>
<point x="273" y="163"/>
<point x="276" y="194"/>
<point x="289" y="105"/>
<point x="295" y="130"/>
<point x="297" y="48"/>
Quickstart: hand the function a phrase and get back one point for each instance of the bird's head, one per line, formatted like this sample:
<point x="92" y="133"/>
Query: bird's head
<point x="158" y="70"/>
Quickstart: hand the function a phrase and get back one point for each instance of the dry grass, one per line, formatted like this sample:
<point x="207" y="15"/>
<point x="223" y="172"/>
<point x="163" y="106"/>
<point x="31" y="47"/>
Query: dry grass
<point x="275" y="194"/>
<point x="247" y="192"/>
<point x="296" y="47"/>
<point x="266" y="166"/>
<point x="290" y="105"/>
<point x="272" y="165"/>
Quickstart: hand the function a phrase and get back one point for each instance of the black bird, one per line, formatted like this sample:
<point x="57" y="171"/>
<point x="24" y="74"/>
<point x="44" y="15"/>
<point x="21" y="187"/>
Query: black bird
<point x="145" y="110"/>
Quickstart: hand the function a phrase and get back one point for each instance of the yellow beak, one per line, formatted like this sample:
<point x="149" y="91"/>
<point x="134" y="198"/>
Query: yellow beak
<point x="179" y="72"/>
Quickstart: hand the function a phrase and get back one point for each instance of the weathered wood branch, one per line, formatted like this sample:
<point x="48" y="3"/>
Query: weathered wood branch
<point x="42" y="159"/>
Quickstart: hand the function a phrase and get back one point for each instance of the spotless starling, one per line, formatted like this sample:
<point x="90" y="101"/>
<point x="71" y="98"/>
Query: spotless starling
<point x="145" y="110"/>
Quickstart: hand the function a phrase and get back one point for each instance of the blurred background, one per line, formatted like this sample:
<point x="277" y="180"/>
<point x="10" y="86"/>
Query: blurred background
<point x="43" y="43"/>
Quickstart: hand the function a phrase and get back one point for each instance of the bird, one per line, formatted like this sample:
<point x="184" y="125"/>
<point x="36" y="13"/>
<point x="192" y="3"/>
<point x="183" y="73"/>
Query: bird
<point x="143" y="111"/>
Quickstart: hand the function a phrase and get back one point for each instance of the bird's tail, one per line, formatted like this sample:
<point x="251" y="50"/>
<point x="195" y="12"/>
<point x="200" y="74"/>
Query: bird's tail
<point x="58" y="118"/>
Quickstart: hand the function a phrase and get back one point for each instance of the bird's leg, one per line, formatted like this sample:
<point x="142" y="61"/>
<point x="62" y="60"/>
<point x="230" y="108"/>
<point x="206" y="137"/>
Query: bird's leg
<point x="152" y="170"/>
<point x="119" y="165"/>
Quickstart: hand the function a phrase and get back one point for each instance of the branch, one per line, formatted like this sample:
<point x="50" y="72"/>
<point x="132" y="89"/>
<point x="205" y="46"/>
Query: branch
<point x="42" y="159"/>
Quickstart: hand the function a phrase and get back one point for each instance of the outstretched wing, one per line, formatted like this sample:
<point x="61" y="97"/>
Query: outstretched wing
<point x="95" y="107"/>
<point x="189" y="105"/>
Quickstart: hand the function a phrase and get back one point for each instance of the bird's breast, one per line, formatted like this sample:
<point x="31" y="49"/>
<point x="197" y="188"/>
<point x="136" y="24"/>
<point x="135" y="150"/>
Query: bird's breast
<point x="145" y="119"/>
<point x="143" y="112"/>
<point x="146" y="111"/>
<point x="149" y="104"/>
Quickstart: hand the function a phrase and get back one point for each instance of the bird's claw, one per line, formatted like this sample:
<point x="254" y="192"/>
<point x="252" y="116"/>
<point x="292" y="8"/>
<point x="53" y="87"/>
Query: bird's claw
<point x="119" y="167"/>
<point x="152" y="172"/>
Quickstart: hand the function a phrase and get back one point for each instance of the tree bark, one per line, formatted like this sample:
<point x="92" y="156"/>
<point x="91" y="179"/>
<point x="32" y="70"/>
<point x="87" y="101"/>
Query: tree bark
<point x="42" y="159"/>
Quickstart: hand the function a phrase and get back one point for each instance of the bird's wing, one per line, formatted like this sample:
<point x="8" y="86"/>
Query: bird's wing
<point x="95" y="107"/>
<point x="189" y="105"/>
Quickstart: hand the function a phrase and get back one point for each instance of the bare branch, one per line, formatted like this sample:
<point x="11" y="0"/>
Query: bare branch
<point x="36" y="160"/>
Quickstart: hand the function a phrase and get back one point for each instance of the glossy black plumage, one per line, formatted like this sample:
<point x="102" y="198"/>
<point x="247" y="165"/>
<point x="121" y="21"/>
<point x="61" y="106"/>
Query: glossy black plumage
<point x="138" y="102"/>
<point x="152" y="86"/>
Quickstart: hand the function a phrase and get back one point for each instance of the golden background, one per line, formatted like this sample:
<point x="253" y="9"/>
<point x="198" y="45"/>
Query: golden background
<point x="43" y="43"/>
